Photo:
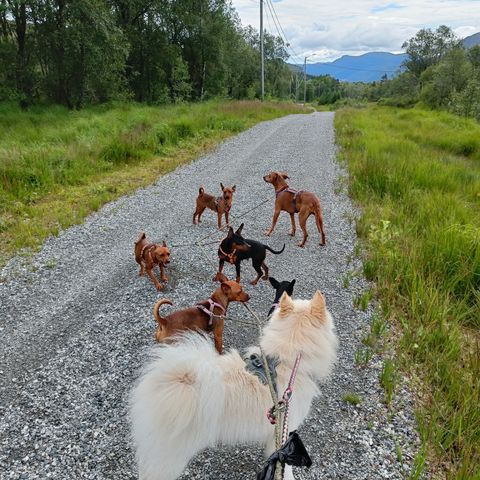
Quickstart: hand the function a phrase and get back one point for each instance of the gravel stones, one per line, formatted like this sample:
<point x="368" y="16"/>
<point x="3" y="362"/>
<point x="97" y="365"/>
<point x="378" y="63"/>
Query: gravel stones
<point x="76" y="319"/>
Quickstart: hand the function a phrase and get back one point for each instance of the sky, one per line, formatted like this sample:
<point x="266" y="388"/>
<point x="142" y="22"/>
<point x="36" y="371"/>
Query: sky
<point x="325" y="30"/>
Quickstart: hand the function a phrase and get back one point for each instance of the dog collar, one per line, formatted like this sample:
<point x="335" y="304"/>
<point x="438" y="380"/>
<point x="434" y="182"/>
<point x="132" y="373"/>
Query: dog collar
<point x="278" y="192"/>
<point x="209" y="311"/>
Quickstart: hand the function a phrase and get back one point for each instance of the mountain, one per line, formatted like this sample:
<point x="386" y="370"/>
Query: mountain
<point x="363" y="68"/>
<point x="472" y="40"/>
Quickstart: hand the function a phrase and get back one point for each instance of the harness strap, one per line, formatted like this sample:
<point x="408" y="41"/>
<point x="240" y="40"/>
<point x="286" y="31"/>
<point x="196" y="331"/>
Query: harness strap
<point x="230" y="256"/>
<point x="148" y="248"/>
<point x="209" y="311"/>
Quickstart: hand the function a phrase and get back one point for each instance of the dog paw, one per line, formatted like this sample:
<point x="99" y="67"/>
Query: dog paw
<point x="301" y="245"/>
<point x="267" y="233"/>
<point x="265" y="277"/>
<point x="165" y="279"/>
<point x="253" y="282"/>
<point x="292" y="234"/>
<point x="159" y="287"/>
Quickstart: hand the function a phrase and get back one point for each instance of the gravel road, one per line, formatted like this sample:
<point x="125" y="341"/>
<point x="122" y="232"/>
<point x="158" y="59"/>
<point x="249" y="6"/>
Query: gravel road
<point x="75" y="320"/>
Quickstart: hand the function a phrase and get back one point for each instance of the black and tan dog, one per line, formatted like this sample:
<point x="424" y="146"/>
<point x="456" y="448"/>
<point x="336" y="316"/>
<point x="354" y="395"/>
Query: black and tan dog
<point x="280" y="288"/>
<point x="234" y="248"/>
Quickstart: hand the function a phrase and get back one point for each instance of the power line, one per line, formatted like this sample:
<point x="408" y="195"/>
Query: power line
<point x="280" y="34"/>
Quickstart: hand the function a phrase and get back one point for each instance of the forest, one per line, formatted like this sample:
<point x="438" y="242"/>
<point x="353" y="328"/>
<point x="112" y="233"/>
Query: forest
<point x="82" y="52"/>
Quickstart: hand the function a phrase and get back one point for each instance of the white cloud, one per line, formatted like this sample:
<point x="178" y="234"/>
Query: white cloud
<point x="327" y="30"/>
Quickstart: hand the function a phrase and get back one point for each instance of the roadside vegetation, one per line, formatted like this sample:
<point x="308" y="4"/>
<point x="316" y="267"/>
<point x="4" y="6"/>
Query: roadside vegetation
<point x="57" y="166"/>
<point x="416" y="175"/>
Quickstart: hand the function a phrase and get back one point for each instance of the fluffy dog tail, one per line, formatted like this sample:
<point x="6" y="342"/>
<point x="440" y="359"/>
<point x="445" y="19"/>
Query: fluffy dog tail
<point x="176" y="407"/>
<point x="273" y="251"/>
<point x="141" y="237"/>
<point x="157" y="306"/>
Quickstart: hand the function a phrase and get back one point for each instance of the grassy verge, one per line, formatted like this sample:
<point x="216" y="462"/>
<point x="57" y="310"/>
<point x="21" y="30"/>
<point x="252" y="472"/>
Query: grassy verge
<point x="416" y="175"/>
<point x="57" y="166"/>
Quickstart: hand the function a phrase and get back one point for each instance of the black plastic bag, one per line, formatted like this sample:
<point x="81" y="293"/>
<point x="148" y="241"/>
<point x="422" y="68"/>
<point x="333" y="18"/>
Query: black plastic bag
<point x="293" y="452"/>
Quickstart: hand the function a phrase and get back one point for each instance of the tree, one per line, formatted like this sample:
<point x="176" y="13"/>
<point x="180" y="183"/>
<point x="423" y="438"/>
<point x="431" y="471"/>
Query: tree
<point x="427" y="48"/>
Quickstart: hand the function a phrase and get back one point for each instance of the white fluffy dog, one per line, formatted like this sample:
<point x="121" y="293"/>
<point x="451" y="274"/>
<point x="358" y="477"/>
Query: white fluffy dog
<point x="190" y="398"/>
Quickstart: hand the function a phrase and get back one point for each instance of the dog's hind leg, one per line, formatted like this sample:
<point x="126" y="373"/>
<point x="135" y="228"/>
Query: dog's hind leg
<point x="258" y="269"/>
<point x="265" y="269"/>
<point x="319" y="220"/>
<point x="302" y="220"/>
<point x="200" y="211"/>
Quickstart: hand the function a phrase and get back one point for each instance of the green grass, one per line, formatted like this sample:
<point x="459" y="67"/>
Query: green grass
<point x="416" y="175"/>
<point x="352" y="398"/>
<point x="57" y="166"/>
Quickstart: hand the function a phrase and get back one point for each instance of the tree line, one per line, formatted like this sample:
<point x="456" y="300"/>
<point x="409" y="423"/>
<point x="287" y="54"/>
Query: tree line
<point x="439" y="72"/>
<point x="80" y="52"/>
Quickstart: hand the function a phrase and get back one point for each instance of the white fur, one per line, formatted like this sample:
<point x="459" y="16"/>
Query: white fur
<point x="190" y="398"/>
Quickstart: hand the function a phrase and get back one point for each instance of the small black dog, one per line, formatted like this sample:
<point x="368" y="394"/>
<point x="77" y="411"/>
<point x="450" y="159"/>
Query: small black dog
<point x="234" y="248"/>
<point x="280" y="288"/>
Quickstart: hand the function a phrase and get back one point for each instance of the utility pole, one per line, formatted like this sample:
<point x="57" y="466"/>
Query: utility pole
<point x="305" y="81"/>
<point x="262" y="69"/>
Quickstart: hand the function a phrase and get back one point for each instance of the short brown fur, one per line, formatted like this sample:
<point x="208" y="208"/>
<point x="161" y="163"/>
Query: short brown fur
<point x="221" y="205"/>
<point x="195" y="319"/>
<point x="147" y="255"/>
<point x="305" y="204"/>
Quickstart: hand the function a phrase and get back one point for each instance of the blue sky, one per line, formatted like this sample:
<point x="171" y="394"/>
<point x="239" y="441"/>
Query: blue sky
<point x="326" y="30"/>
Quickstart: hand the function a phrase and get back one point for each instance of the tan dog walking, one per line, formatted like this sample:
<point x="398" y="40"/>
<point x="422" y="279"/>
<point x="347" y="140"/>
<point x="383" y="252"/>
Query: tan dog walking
<point x="292" y="201"/>
<point x="147" y="255"/>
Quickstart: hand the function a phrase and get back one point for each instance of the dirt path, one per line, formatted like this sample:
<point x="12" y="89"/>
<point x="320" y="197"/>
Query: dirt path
<point x="76" y="319"/>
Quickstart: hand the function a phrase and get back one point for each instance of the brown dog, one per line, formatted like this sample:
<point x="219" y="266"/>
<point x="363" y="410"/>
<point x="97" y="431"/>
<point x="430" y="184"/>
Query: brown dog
<point x="293" y="201"/>
<point x="207" y="315"/>
<point x="221" y="205"/>
<point x="148" y="255"/>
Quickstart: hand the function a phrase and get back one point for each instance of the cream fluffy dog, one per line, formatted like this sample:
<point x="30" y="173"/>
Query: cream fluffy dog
<point x="190" y="398"/>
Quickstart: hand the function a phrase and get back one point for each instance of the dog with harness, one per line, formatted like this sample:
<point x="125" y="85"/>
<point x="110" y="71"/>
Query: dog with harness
<point x="207" y="316"/>
<point x="295" y="201"/>
<point x="190" y="398"/>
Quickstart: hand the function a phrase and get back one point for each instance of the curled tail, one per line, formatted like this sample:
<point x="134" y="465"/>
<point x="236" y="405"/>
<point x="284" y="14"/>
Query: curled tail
<point x="141" y="237"/>
<point x="273" y="251"/>
<point x="157" y="316"/>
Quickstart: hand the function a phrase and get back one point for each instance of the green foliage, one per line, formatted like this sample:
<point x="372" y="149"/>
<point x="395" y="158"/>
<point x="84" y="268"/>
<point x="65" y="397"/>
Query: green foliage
<point x="352" y="398"/>
<point x="427" y="48"/>
<point x="420" y="172"/>
<point x="389" y="380"/>
<point x="85" y="52"/>
<point x="56" y="165"/>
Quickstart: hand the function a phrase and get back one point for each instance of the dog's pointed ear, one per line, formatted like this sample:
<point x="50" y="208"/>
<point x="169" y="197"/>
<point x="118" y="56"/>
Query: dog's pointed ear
<point x="290" y="287"/>
<point x="225" y="288"/>
<point x="230" y="232"/>
<point x="239" y="230"/>
<point x="223" y="188"/>
<point x="286" y="304"/>
<point x="317" y="304"/>
<point x="274" y="283"/>
<point x="164" y="243"/>
<point x="284" y="175"/>
<point x="234" y="188"/>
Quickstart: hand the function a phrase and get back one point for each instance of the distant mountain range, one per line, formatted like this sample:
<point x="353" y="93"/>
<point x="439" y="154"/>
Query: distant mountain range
<point x="472" y="40"/>
<point x="369" y="67"/>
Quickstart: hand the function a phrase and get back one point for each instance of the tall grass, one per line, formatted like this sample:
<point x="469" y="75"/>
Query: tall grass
<point x="57" y="165"/>
<point x="416" y="175"/>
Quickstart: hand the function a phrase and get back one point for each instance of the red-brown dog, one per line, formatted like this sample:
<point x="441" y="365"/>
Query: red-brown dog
<point x="294" y="201"/>
<point x="221" y="205"/>
<point x="148" y="255"/>
<point x="207" y="315"/>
